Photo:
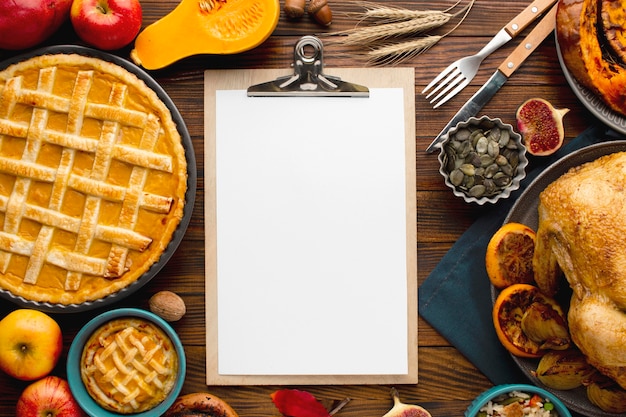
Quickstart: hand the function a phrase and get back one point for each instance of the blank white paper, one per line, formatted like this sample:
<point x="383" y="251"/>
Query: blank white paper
<point x="311" y="235"/>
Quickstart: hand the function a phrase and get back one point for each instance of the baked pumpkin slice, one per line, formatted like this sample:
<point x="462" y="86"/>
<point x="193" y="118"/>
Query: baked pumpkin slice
<point x="579" y="40"/>
<point x="613" y="13"/>
<point x="93" y="178"/>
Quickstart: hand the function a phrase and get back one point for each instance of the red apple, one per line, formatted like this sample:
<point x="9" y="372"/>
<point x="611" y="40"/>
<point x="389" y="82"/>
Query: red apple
<point x="26" y="23"/>
<point x="48" y="397"/>
<point x="106" y="24"/>
<point x="30" y="344"/>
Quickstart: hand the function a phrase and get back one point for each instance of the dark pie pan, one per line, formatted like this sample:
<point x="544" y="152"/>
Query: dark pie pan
<point x="190" y="195"/>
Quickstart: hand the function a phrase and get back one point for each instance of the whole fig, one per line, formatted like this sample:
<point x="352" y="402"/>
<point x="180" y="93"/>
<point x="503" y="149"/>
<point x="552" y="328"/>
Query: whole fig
<point x="27" y="23"/>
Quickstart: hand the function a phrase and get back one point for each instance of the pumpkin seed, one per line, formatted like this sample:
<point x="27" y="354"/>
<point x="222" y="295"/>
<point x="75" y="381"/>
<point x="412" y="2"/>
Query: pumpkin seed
<point x="486" y="160"/>
<point x="455" y="145"/>
<point x="474" y="136"/>
<point x="493" y="148"/>
<point x="468" y="169"/>
<point x="465" y="149"/>
<point x="503" y="140"/>
<point x="462" y="134"/>
<point x="474" y="159"/>
<point x="501" y="160"/>
<point x="501" y="179"/>
<point x="456" y="177"/>
<point x="477" y="191"/>
<point x="490" y="186"/>
<point x="511" y="144"/>
<point x="507" y="169"/>
<point x="494" y="135"/>
<point x="492" y="170"/>
<point x="481" y="144"/>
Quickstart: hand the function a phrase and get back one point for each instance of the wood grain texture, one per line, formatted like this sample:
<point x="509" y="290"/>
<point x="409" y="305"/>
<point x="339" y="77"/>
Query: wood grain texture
<point x="447" y="381"/>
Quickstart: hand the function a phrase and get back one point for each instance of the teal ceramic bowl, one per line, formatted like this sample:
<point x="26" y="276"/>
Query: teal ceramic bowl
<point x="482" y="399"/>
<point x="76" y="349"/>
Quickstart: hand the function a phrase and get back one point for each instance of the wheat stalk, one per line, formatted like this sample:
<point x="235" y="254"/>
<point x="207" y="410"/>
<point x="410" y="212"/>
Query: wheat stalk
<point x="374" y="11"/>
<point x="397" y="22"/>
<point x="400" y="22"/>
<point x="392" y="14"/>
<point x="369" y="34"/>
<point x="396" y="52"/>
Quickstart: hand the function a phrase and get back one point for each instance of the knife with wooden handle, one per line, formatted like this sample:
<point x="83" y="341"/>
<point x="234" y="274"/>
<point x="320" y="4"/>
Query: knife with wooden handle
<point x="527" y="16"/>
<point x="540" y="32"/>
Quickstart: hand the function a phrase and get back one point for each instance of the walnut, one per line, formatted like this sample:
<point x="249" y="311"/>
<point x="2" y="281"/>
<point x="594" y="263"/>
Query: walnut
<point x="167" y="305"/>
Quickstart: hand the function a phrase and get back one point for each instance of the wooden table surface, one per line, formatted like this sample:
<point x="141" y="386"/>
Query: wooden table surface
<point x="447" y="381"/>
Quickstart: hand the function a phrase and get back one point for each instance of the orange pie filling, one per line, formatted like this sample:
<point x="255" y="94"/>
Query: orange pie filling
<point x="93" y="178"/>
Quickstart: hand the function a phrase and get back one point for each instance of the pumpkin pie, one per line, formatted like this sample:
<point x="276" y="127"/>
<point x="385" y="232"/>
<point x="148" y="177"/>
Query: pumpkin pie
<point x="93" y="178"/>
<point x="129" y="365"/>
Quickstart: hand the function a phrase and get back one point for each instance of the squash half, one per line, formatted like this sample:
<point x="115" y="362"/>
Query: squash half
<point x="205" y="27"/>
<point x="577" y="25"/>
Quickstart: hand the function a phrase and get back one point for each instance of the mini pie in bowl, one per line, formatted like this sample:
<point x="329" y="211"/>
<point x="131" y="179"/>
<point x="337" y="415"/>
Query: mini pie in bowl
<point x="129" y="365"/>
<point x="93" y="178"/>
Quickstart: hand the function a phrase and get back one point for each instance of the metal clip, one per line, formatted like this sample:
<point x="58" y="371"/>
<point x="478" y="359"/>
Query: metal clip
<point x="308" y="78"/>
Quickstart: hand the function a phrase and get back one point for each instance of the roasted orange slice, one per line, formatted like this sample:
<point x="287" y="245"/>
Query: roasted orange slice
<point x="509" y="256"/>
<point x="508" y="312"/>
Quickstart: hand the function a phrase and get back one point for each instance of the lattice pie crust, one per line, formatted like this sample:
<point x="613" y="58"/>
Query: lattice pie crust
<point x="92" y="178"/>
<point x="129" y="365"/>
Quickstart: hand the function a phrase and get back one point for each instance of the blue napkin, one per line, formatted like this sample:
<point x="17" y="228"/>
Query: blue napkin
<point x="456" y="297"/>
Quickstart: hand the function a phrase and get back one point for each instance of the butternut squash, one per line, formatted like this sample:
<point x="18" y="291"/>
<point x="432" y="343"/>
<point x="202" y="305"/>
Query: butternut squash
<point x="205" y="27"/>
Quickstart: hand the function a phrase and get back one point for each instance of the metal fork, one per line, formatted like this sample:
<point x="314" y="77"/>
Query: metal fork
<point x="459" y="74"/>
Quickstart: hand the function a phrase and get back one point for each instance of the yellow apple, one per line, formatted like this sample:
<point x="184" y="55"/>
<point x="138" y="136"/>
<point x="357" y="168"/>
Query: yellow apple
<point x="30" y="344"/>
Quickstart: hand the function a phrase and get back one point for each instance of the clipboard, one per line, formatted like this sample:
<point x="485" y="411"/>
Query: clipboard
<point x="373" y="78"/>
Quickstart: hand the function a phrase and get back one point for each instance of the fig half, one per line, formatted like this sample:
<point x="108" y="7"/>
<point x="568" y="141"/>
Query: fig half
<point x="541" y="126"/>
<point x="401" y="409"/>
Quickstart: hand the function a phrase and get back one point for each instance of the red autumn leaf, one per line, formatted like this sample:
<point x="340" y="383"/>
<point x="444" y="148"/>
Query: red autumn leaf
<point x="296" y="403"/>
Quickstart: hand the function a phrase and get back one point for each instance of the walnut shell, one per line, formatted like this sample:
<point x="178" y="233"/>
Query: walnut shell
<point x="167" y="305"/>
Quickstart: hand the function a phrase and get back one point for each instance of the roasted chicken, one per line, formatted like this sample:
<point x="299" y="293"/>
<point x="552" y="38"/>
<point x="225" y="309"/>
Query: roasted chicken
<point x="582" y="235"/>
